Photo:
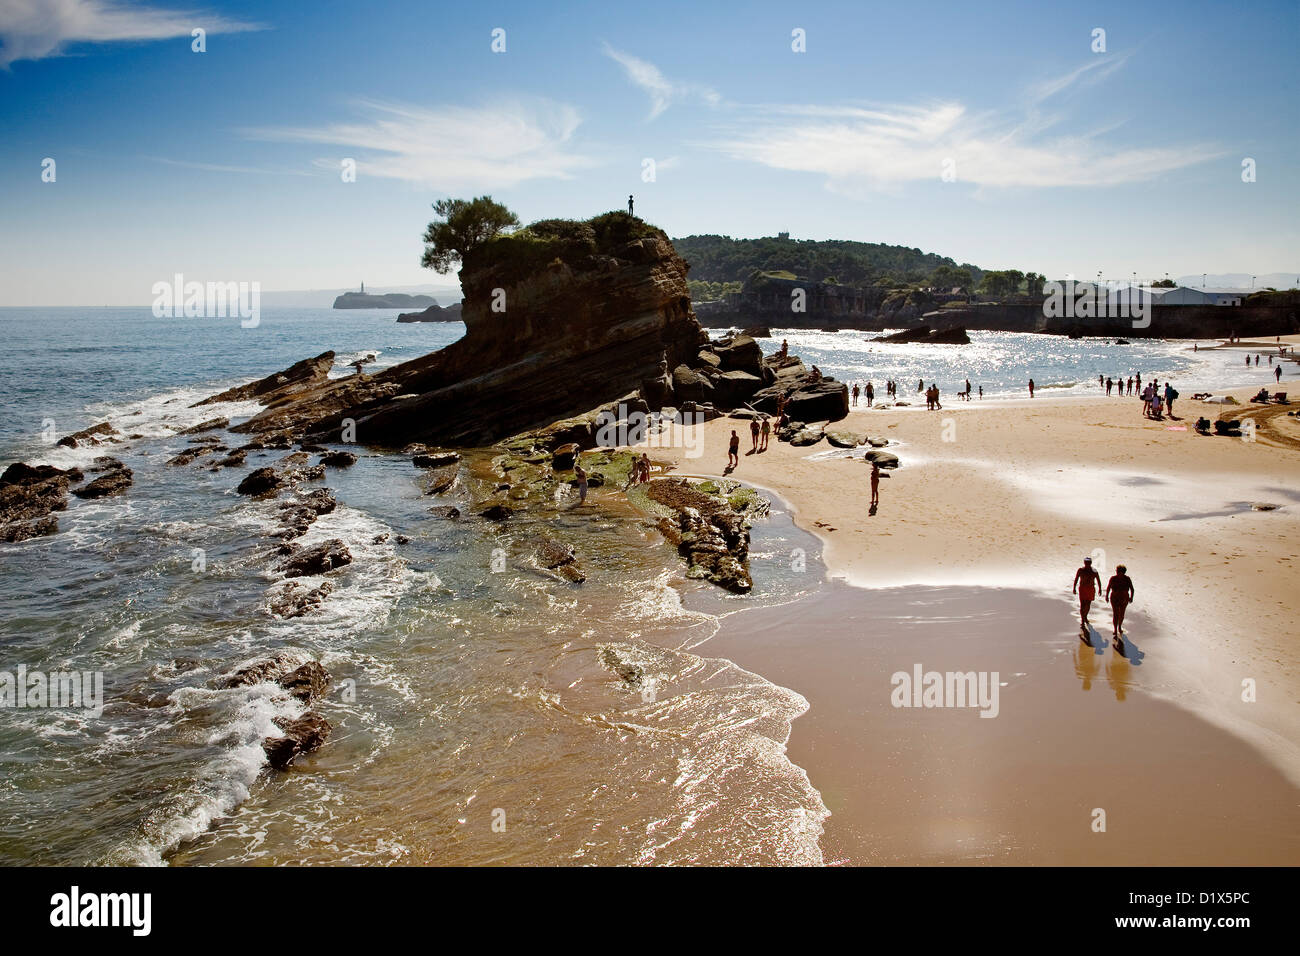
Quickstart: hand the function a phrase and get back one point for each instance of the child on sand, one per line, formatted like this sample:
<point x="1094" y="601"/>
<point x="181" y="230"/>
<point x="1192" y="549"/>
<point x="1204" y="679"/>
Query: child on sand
<point x="875" y="484"/>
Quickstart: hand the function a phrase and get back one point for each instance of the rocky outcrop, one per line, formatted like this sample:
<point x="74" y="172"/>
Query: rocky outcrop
<point x="709" y="528"/>
<point x="115" y="480"/>
<point x="558" y="320"/>
<point x="28" y="496"/>
<point x="434" y="313"/>
<point x="301" y="735"/>
<point x="94" y="435"/>
<point x="318" y="559"/>
<point x="954" y="335"/>
<point x="299" y="377"/>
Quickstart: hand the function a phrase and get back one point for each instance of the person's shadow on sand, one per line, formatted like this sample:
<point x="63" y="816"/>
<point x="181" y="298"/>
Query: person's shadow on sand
<point x="1088" y="635"/>
<point x="1126" y="649"/>
<point x="728" y="470"/>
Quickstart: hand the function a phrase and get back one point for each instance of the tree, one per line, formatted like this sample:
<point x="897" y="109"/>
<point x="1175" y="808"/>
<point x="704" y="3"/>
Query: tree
<point x="1164" y="284"/>
<point x="465" y="225"/>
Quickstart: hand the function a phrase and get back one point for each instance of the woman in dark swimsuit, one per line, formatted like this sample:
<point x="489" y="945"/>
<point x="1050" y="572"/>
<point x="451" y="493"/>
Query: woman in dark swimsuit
<point x="1119" y="592"/>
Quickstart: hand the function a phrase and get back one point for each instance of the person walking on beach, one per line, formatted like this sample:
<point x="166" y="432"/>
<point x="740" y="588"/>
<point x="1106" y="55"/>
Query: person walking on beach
<point x="875" y="485"/>
<point x="733" y="450"/>
<point x="981" y="391"/>
<point x="1170" y="395"/>
<point x="855" y="394"/>
<point x="1119" y="592"/>
<point x="1277" y="373"/>
<point x="1086" y="582"/>
<point x="1110" y="383"/>
<point x="767" y="434"/>
<point x="920" y="385"/>
<point x="753" y="433"/>
<point x="1031" y="388"/>
<point x="871" y="394"/>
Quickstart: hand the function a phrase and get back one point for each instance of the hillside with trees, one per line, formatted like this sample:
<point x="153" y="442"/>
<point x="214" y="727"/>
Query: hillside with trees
<point x="721" y="259"/>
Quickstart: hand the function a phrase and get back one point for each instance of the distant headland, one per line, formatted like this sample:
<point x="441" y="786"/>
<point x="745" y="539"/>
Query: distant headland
<point x="381" y="300"/>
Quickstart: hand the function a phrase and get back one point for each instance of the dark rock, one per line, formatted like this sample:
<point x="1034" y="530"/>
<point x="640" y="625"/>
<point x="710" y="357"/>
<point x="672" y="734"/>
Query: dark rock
<point x="731" y="389"/>
<point x="445" y="511"/>
<point x="884" y="459"/>
<point x="827" y="400"/>
<point x="210" y="425"/>
<point x="496" y="512"/>
<point x="307" y="682"/>
<point x="260" y="482"/>
<point x="923" y="333"/>
<point x="691" y="386"/>
<point x="338" y="459"/>
<point x="806" y="436"/>
<point x="740" y="354"/>
<point x="294" y="599"/>
<point x="296" y="378"/>
<point x="434" y="458"/>
<point x="107" y="485"/>
<point x="319" y="559"/>
<point x="14" y="532"/>
<point x="302" y="735"/>
<point x="89" y="436"/>
<point x="565" y="457"/>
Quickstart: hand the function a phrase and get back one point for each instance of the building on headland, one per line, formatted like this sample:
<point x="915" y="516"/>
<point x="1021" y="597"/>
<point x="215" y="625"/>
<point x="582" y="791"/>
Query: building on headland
<point x="1181" y="295"/>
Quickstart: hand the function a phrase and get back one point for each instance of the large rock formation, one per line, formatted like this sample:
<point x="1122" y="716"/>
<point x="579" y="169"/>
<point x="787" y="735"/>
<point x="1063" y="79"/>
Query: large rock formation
<point x="559" y="318"/>
<point x="434" y="313"/>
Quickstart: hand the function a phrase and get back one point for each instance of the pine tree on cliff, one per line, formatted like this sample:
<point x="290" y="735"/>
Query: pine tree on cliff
<point x="465" y="224"/>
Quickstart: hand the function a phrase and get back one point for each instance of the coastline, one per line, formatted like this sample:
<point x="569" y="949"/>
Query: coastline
<point x="1040" y="484"/>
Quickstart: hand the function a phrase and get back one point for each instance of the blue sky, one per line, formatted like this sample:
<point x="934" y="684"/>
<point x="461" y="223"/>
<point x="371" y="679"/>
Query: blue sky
<point x="225" y="165"/>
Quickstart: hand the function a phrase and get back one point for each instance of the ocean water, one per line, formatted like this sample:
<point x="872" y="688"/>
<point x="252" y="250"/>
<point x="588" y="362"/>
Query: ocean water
<point x="479" y="716"/>
<point x="1004" y="362"/>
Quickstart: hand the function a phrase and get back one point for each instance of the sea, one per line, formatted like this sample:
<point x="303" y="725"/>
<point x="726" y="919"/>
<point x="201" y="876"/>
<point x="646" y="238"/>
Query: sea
<point x="481" y="710"/>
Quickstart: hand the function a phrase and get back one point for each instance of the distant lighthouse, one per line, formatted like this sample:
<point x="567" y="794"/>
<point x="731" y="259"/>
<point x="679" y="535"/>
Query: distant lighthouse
<point x="363" y="288"/>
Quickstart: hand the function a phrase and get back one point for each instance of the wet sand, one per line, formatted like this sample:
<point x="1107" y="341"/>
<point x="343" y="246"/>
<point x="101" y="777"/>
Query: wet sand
<point x="1077" y="729"/>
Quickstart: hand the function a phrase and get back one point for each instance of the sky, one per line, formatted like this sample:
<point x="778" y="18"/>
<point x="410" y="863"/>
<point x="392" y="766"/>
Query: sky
<point x="1008" y="135"/>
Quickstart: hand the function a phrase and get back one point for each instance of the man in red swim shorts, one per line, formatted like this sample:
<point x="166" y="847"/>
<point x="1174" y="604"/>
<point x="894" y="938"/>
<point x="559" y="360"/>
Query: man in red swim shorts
<point x="1086" y="582"/>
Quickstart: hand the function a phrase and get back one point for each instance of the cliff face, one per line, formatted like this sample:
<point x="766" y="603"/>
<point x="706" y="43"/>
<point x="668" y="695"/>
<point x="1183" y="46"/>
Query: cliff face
<point x="554" y="328"/>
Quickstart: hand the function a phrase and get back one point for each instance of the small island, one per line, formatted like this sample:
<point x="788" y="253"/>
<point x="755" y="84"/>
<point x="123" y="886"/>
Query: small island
<point x="434" y="313"/>
<point x="382" y="300"/>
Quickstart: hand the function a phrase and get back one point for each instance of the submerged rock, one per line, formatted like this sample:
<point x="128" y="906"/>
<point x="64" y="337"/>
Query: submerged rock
<point x="338" y="459"/>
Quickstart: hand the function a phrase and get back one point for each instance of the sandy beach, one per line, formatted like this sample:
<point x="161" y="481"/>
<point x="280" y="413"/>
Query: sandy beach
<point x="1009" y="496"/>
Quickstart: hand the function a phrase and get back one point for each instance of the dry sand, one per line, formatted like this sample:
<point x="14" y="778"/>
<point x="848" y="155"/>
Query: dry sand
<point x="1012" y="495"/>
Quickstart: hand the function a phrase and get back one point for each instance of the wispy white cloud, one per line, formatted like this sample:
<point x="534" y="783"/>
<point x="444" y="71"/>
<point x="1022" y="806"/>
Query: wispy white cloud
<point x="451" y="148"/>
<point x="860" y="150"/>
<point x="219" y="168"/>
<point x="35" y="29"/>
<point x="662" y="91"/>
